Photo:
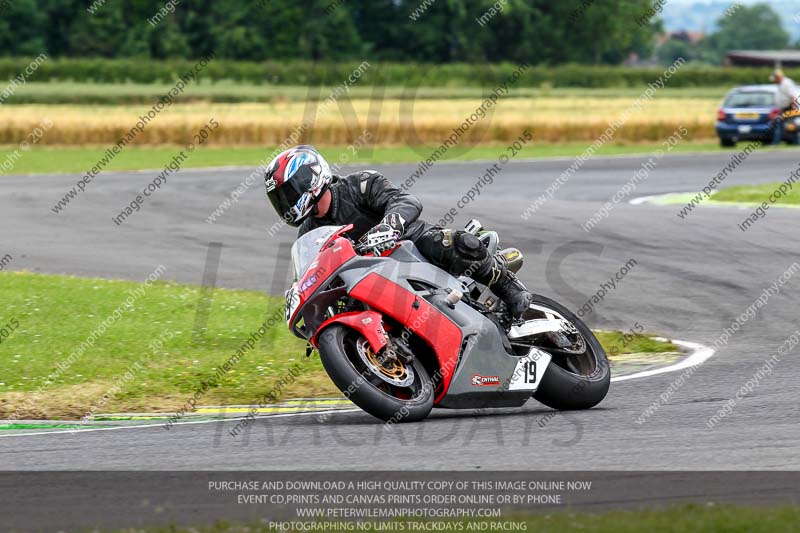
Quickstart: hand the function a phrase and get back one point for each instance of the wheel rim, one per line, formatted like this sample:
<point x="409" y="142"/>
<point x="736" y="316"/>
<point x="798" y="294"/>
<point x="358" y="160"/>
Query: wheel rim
<point x="568" y="347"/>
<point x="383" y="382"/>
<point x="394" y="372"/>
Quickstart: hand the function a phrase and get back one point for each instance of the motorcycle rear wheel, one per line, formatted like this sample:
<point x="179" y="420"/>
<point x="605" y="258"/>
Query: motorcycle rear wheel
<point x="580" y="383"/>
<point x="338" y="349"/>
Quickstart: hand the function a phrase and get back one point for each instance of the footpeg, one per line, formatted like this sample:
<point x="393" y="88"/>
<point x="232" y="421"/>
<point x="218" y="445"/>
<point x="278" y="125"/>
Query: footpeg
<point x="473" y="226"/>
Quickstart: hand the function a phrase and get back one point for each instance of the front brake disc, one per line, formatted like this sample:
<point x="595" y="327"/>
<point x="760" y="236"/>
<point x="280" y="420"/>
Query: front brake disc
<point x="393" y="372"/>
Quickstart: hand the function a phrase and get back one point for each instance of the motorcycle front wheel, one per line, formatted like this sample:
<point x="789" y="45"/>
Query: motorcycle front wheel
<point x="392" y="392"/>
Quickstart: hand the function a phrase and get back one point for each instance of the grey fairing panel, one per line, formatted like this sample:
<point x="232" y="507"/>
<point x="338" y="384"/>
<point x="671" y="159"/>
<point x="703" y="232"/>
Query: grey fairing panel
<point x="484" y="353"/>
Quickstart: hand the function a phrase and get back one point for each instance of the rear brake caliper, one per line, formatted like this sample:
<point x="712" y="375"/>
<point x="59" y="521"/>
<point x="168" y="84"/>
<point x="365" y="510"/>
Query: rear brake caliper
<point x="567" y="338"/>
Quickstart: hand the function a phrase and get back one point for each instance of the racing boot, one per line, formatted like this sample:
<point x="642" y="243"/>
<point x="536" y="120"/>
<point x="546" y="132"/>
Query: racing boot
<point x="510" y="289"/>
<point x="494" y="274"/>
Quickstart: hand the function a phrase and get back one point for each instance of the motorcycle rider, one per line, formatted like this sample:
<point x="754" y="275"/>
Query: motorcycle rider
<point x="305" y="193"/>
<point x="787" y="100"/>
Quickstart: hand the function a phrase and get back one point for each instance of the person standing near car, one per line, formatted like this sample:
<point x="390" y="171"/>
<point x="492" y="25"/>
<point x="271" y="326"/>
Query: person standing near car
<point x="786" y="100"/>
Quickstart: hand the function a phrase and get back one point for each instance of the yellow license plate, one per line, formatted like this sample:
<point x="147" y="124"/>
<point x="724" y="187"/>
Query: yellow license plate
<point x="747" y="116"/>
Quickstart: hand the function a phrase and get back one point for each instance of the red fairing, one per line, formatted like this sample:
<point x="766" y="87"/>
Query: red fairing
<point x="368" y="323"/>
<point x="441" y="334"/>
<point x="336" y="252"/>
<point x="329" y="259"/>
<point x="339" y="233"/>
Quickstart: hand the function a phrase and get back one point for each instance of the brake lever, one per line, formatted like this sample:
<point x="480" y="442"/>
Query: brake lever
<point x="360" y="248"/>
<point x="364" y="250"/>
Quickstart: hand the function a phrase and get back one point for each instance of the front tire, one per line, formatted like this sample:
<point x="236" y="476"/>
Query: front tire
<point x="338" y="352"/>
<point x="564" y="389"/>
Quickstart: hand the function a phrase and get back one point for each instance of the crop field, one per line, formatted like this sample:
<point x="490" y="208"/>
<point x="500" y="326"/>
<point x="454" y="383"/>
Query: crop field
<point x="395" y="121"/>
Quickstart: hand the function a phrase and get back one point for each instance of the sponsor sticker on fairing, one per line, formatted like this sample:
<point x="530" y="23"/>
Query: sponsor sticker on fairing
<point x="308" y="283"/>
<point x="292" y="302"/>
<point x="485" y="381"/>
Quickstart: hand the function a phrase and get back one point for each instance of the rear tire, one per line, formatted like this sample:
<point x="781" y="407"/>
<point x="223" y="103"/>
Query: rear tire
<point x="564" y="390"/>
<point x="335" y="347"/>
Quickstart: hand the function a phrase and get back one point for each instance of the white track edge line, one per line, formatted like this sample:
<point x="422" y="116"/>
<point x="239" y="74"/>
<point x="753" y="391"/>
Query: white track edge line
<point x="700" y="354"/>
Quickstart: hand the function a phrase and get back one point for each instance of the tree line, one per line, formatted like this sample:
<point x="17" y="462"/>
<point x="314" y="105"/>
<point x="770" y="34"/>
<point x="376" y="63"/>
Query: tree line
<point x="539" y="32"/>
<point x="445" y="31"/>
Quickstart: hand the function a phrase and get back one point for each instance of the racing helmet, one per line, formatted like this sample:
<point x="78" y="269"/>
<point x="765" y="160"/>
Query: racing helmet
<point x="295" y="181"/>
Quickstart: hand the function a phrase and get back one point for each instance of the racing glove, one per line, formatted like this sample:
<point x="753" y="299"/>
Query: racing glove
<point x="396" y="222"/>
<point x="380" y="238"/>
<point x="384" y="236"/>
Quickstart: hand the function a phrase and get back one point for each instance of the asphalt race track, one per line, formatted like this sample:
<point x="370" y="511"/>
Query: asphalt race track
<point x="692" y="278"/>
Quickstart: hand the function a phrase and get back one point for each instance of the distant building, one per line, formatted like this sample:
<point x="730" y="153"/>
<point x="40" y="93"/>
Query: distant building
<point x="763" y="58"/>
<point x="691" y="37"/>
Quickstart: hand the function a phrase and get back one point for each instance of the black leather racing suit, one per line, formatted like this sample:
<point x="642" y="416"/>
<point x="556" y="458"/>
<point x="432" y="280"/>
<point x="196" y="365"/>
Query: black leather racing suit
<point x="365" y="198"/>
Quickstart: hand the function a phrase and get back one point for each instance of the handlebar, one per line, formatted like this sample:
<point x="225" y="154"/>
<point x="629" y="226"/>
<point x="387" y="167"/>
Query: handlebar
<point x="377" y="241"/>
<point x="363" y="249"/>
<point x="360" y="248"/>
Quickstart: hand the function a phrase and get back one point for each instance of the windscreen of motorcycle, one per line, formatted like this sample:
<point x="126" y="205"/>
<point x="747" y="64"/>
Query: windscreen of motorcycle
<point x="306" y="248"/>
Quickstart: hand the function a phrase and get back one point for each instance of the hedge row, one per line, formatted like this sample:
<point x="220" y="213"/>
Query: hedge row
<point x="398" y="74"/>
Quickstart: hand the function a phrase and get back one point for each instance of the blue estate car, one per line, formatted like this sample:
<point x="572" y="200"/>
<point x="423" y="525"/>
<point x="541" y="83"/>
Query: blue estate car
<point x="748" y="114"/>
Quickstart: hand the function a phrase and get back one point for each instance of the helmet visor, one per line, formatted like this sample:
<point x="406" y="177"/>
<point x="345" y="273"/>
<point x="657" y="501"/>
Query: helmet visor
<point x="286" y="200"/>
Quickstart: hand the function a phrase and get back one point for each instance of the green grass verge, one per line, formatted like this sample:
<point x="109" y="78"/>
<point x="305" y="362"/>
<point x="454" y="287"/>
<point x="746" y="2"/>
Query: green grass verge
<point x="46" y="318"/>
<point x="756" y="194"/>
<point x="57" y="313"/>
<point x="739" y="195"/>
<point x="679" y="518"/>
<point x="81" y="159"/>
<point x="230" y="92"/>
<point x="617" y="342"/>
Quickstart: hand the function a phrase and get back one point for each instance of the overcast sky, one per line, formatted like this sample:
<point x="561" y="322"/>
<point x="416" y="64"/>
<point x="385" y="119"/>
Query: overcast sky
<point x="691" y="15"/>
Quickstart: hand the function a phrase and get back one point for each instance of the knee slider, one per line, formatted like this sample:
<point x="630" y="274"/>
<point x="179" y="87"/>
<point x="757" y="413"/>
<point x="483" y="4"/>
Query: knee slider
<point x="469" y="246"/>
